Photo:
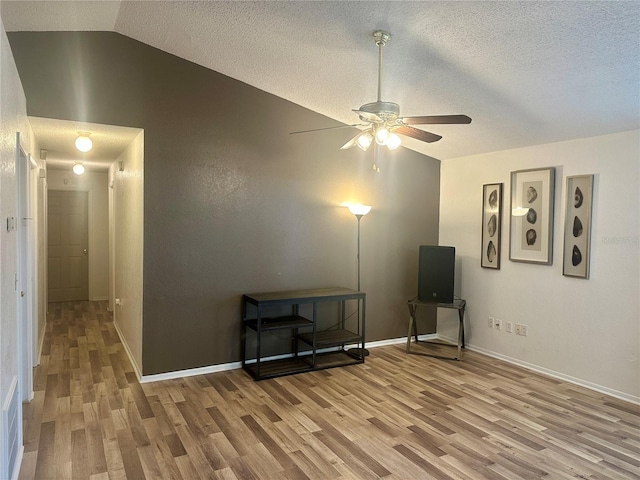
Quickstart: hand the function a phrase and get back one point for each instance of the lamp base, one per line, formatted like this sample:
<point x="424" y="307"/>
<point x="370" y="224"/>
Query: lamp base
<point x="358" y="352"/>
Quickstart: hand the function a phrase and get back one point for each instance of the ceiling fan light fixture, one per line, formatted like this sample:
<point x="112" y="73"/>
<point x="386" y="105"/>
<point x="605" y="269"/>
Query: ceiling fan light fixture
<point x="78" y="168"/>
<point x="364" y="140"/>
<point x="382" y="134"/>
<point x="83" y="142"/>
<point x="393" y="141"/>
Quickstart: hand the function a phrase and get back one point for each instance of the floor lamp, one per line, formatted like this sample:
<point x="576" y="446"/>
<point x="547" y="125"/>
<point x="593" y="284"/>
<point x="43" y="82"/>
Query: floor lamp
<point x="359" y="211"/>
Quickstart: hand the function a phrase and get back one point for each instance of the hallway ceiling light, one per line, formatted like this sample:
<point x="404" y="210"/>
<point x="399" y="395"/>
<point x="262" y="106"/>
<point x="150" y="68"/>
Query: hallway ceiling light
<point x="78" y="168"/>
<point x="83" y="142"/>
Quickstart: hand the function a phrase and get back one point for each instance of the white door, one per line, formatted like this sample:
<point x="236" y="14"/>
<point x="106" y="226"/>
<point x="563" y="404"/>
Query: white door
<point x="68" y="266"/>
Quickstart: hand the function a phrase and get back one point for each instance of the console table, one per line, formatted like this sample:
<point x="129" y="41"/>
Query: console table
<point x="324" y="349"/>
<point x="457" y="304"/>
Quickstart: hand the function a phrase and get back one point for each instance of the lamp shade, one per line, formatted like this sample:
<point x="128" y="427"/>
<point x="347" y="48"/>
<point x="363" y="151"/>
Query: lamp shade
<point x="393" y="141"/>
<point x="382" y="134"/>
<point x="364" y="140"/>
<point x="359" y="209"/>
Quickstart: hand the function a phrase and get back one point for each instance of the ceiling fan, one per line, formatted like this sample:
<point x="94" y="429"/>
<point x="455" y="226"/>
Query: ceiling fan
<point x="382" y="119"/>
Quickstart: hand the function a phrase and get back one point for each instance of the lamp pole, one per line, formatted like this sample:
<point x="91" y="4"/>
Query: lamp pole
<point x="358" y="216"/>
<point x="359" y="211"/>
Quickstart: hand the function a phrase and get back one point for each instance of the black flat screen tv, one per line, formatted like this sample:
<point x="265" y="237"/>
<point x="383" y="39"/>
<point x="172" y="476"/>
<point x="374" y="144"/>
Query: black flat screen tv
<point x="436" y="273"/>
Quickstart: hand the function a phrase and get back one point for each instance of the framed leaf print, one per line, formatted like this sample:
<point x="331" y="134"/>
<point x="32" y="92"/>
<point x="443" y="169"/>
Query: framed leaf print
<point x="531" y="226"/>
<point x="491" y="225"/>
<point x="577" y="226"/>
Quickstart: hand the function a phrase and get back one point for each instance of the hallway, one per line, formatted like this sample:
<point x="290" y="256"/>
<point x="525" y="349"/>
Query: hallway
<point x="83" y="387"/>
<point x="398" y="416"/>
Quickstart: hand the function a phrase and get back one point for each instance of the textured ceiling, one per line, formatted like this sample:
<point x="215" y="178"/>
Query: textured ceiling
<point x="527" y="72"/>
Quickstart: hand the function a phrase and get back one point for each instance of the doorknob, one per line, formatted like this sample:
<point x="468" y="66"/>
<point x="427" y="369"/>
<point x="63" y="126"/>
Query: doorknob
<point x="22" y="293"/>
<point x="84" y="251"/>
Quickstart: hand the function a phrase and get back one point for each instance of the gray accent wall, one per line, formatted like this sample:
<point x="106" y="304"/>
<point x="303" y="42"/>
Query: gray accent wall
<point x="232" y="202"/>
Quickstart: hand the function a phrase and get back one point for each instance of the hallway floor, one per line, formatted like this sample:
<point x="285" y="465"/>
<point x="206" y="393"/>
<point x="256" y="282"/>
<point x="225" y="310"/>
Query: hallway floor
<point x="398" y="416"/>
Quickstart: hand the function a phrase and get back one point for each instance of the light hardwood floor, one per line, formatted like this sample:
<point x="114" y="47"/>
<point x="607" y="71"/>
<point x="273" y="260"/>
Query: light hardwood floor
<point x="398" y="416"/>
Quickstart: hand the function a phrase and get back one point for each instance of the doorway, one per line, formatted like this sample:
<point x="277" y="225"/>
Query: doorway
<point x="23" y="275"/>
<point x="68" y="265"/>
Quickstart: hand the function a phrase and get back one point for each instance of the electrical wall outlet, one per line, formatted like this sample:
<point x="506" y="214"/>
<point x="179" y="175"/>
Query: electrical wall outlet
<point x="497" y="324"/>
<point x="490" y="322"/>
<point x="522" y="330"/>
<point x="508" y="326"/>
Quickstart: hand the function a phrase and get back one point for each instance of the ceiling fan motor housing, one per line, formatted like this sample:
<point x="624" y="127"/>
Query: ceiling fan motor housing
<point x="387" y="111"/>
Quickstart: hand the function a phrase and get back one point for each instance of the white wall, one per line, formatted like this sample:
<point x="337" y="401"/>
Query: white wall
<point x="128" y="233"/>
<point x="13" y="118"/>
<point x="586" y="331"/>
<point x="96" y="184"/>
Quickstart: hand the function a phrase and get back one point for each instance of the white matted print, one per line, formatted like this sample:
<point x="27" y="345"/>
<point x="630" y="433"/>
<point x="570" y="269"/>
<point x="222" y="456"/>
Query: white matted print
<point x="531" y="235"/>
<point x="577" y="226"/>
<point x="491" y="225"/>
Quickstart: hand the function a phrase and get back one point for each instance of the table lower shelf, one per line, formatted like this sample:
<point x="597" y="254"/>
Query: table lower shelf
<point x="300" y="364"/>
<point x="331" y="338"/>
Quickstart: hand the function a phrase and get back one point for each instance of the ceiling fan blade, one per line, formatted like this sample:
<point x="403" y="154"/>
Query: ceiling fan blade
<point x="368" y="116"/>
<point x="351" y="143"/>
<point x="418" y="134"/>
<point x="329" y="128"/>
<point x="436" y="119"/>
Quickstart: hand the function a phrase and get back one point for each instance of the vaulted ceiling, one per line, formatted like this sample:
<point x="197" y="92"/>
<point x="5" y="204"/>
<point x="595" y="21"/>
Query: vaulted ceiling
<point x="526" y="72"/>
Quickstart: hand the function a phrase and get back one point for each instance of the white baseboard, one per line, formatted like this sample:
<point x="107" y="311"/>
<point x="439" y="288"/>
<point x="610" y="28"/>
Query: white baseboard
<point x="234" y="365"/>
<point x="395" y="341"/>
<point x="136" y="367"/>
<point x="217" y="368"/>
<point x="402" y="340"/>
<point x="560" y="376"/>
<point x="190" y="372"/>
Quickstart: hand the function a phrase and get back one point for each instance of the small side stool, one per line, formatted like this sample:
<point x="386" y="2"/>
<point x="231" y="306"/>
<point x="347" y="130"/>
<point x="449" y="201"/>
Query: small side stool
<point x="458" y="304"/>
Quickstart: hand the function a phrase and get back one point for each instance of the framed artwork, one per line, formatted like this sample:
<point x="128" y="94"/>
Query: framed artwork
<point x="491" y="225"/>
<point x="577" y="226"/>
<point x="531" y="235"/>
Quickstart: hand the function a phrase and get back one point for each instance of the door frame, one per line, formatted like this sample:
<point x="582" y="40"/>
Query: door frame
<point x="26" y="260"/>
